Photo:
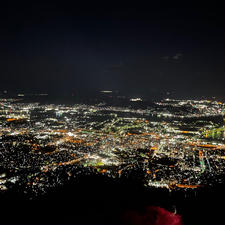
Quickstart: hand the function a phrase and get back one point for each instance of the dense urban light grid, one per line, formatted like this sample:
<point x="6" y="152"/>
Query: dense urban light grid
<point x="173" y="144"/>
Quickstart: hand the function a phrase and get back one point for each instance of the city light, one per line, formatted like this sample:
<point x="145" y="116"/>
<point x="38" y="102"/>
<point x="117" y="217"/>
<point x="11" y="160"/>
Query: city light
<point x="177" y="144"/>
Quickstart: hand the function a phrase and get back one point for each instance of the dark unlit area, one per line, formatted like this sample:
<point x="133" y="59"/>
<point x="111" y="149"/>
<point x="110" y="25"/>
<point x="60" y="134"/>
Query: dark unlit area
<point x="100" y="200"/>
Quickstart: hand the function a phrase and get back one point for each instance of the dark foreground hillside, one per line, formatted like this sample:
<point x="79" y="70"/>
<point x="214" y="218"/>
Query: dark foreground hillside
<point x="101" y="200"/>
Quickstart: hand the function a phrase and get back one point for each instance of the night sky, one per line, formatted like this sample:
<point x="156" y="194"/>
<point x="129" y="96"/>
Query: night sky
<point x="57" y="48"/>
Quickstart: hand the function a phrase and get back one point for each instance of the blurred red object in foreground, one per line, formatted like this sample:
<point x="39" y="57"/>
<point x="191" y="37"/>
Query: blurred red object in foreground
<point x="153" y="215"/>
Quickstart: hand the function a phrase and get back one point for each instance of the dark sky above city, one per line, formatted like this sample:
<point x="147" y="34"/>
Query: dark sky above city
<point x="162" y="46"/>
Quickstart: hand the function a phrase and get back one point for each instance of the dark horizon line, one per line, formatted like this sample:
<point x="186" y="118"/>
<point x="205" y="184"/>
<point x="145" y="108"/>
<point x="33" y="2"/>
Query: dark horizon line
<point x="200" y="94"/>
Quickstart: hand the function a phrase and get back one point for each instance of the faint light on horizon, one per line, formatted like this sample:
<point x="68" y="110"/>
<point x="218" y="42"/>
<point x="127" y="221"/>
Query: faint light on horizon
<point x="106" y="91"/>
<point x="136" y="100"/>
